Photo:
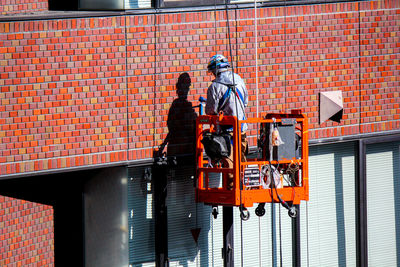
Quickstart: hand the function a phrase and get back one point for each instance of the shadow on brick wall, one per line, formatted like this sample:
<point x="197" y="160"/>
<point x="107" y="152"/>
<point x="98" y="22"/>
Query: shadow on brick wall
<point x="181" y="121"/>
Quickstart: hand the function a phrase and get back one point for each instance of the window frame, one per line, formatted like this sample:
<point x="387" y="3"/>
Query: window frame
<point x="186" y="3"/>
<point x="163" y="4"/>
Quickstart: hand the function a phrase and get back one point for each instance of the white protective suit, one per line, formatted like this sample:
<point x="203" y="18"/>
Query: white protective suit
<point x="217" y="90"/>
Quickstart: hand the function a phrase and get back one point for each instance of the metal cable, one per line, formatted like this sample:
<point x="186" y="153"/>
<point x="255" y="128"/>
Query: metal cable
<point x="127" y="91"/>
<point x="308" y="248"/>
<point x="285" y="42"/>
<point x="256" y="48"/>
<point x="215" y="26"/>
<point x="280" y="236"/>
<point x="237" y="113"/>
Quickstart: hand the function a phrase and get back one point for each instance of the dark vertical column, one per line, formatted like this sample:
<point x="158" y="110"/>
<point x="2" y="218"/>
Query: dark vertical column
<point x="157" y="3"/>
<point x="228" y="236"/>
<point x="361" y="195"/>
<point x="159" y="177"/>
<point x="296" y="258"/>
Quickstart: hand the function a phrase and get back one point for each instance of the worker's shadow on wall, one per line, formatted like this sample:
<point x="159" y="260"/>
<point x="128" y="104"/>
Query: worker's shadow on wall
<point x="185" y="216"/>
<point x="181" y="121"/>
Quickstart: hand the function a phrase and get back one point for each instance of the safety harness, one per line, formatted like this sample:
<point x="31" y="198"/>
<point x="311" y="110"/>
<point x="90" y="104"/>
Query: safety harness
<point x="231" y="89"/>
<point x="224" y="100"/>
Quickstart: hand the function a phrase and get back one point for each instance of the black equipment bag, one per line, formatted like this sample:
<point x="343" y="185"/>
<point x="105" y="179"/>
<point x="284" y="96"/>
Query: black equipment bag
<point x="217" y="146"/>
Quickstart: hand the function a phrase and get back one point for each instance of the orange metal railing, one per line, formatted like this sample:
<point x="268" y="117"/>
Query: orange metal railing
<point x="241" y="194"/>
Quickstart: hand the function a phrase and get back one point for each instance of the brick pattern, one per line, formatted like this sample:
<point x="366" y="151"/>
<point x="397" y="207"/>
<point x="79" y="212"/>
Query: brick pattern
<point x="63" y="94"/>
<point x="8" y="7"/>
<point x="380" y="71"/>
<point x="26" y="233"/>
<point x="78" y="92"/>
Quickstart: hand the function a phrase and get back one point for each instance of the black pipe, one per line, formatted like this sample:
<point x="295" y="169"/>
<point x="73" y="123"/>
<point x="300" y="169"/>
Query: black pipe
<point x="361" y="187"/>
<point x="227" y="251"/>
<point x="159" y="174"/>
<point x="296" y="245"/>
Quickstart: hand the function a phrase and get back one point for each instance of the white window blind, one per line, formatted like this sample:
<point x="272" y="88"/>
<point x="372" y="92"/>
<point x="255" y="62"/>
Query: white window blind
<point x="383" y="210"/>
<point x="328" y="233"/>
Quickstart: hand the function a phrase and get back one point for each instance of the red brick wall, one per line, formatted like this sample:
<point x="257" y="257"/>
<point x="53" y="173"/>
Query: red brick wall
<point x="26" y="233"/>
<point x="22" y="6"/>
<point x="78" y="92"/>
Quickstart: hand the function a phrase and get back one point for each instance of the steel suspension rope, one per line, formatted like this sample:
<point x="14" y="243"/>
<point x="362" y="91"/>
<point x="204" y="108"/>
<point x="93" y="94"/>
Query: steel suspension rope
<point x="256" y="50"/>
<point x="285" y="26"/>
<point x="259" y="241"/>
<point x="238" y="144"/>
<point x="286" y="110"/>
<point x="280" y="237"/>
<point x="285" y="53"/>
<point x="156" y="67"/>
<point x="308" y="249"/>
<point x="257" y="114"/>
<point x="126" y="88"/>
<point x="239" y="137"/>
<point x="215" y="26"/>
<point x="256" y="58"/>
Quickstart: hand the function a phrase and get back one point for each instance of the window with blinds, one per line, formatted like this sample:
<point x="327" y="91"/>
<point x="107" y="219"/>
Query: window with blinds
<point x="184" y="216"/>
<point x="328" y="220"/>
<point x="383" y="208"/>
<point x="134" y="4"/>
<point x="263" y="241"/>
<point x="141" y="218"/>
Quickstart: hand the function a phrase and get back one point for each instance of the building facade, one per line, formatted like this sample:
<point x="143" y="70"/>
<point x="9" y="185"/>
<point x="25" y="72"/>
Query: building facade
<point x="89" y="98"/>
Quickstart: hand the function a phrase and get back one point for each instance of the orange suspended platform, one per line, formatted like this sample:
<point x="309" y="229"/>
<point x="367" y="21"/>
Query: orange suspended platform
<point x="246" y="190"/>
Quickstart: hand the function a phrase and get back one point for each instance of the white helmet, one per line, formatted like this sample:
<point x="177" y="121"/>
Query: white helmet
<point x="217" y="62"/>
